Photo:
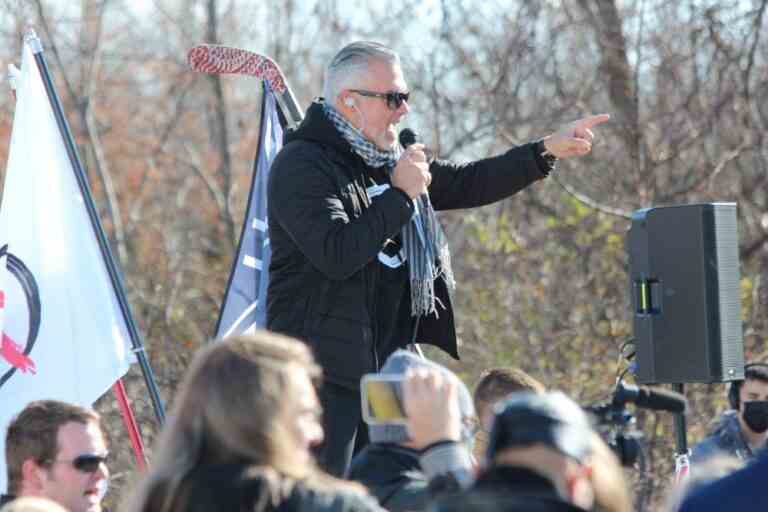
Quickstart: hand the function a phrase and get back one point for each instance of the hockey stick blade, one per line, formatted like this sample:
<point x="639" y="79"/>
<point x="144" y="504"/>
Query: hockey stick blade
<point x="215" y="59"/>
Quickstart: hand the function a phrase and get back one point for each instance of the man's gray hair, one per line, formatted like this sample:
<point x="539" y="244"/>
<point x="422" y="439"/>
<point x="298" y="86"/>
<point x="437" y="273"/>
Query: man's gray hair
<point x="350" y="63"/>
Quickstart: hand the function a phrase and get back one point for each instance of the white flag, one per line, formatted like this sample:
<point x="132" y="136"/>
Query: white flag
<point x="64" y="336"/>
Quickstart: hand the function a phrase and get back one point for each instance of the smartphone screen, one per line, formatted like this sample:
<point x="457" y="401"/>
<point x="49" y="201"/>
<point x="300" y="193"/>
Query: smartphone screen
<point x="382" y="399"/>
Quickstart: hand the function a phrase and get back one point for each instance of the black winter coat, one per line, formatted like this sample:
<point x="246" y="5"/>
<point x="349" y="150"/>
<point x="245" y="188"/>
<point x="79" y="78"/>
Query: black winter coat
<point x="513" y="488"/>
<point x="393" y="474"/>
<point x="250" y="488"/>
<point x="325" y="233"/>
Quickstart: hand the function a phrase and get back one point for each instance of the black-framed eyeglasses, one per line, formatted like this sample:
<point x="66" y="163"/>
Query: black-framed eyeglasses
<point x="394" y="99"/>
<point x="87" y="463"/>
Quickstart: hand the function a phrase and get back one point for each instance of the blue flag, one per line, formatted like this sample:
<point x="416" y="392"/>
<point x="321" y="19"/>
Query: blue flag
<point x="245" y="301"/>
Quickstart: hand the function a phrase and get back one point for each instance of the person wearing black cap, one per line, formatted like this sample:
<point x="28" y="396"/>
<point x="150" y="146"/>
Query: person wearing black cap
<point x="543" y="456"/>
<point x="539" y="448"/>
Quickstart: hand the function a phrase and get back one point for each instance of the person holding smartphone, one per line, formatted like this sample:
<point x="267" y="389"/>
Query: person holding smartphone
<point x="421" y="433"/>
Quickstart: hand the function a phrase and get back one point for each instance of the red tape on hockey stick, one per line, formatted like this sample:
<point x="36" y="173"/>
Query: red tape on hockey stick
<point x="215" y="59"/>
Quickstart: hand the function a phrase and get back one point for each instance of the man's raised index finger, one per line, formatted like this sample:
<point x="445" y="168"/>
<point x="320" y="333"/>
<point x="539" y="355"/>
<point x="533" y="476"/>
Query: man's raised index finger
<point x="590" y="121"/>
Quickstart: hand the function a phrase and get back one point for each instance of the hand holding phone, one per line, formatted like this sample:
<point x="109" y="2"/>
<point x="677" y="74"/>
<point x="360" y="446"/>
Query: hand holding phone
<point x="431" y="405"/>
<point x="424" y="400"/>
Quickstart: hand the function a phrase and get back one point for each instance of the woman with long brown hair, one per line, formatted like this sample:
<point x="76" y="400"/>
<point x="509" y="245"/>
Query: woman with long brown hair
<point x="240" y="434"/>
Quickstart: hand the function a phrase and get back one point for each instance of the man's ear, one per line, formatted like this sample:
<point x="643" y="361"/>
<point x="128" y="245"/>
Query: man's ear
<point x="33" y="475"/>
<point x="345" y="103"/>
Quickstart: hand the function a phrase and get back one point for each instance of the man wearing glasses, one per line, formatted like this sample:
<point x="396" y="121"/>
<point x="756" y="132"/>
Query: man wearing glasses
<point x="360" y="265"/>
<point x="57" y="451"/>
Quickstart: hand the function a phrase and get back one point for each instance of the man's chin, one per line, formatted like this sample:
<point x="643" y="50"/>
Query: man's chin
<point x="92" y="504"/>
<point x="385" y="141"/>
<point x="387" y="144"/>
<point x="391" y="136"/>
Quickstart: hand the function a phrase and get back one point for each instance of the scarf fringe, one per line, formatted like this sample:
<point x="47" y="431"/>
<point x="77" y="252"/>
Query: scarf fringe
<point x="422" y="297"/>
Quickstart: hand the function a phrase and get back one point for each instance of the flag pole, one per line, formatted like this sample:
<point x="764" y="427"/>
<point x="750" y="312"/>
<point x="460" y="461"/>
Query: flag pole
<point x="130" y="424"/>
<point x="30" y="38"/>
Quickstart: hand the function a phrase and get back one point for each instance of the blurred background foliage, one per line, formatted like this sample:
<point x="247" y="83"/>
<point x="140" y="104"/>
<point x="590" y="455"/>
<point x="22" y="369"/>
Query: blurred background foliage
<point x="543" y="276"/>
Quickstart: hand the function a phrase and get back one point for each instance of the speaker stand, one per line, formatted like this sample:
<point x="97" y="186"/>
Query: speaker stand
<point x="682" y="455"/>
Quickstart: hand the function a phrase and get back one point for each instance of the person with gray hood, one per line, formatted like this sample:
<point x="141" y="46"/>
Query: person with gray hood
<point x="406" y="465"/>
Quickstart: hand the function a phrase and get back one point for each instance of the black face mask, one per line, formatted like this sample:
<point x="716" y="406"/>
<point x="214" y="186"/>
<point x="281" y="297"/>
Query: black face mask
<point x="756" y="415"/>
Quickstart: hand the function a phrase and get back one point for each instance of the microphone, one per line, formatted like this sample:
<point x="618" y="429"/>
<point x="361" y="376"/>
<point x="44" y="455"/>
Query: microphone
<point x="649" y="398"/>
<point x="407" y="137"/>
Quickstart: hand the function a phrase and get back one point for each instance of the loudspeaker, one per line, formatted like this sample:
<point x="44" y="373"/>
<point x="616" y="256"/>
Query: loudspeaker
<point x="686" y="300"/>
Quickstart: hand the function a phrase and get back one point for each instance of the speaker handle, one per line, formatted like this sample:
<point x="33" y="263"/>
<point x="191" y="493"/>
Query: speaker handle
<point x="648" y="296"/>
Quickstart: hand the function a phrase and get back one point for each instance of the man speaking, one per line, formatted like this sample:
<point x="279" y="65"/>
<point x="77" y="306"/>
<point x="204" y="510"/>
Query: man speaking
<point x="360" y="265"/>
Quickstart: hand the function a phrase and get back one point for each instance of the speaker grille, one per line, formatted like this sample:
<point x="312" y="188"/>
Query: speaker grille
<point x="729" y="285"/>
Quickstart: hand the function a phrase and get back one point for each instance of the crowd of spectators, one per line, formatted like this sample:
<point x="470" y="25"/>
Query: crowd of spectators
<point x="246" y="419"/>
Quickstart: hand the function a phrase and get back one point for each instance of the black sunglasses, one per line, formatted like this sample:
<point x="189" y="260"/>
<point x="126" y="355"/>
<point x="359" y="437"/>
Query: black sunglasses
<point x="85" y="463"/>
<point x="394" y="99"/>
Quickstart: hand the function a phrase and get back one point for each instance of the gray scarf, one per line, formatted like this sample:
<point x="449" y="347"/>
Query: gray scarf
<point x="423" y="238"/>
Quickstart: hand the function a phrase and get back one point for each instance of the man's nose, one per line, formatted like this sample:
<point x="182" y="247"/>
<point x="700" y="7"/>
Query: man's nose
<point x="404" y="108"/>
<point x="102" y="472"/>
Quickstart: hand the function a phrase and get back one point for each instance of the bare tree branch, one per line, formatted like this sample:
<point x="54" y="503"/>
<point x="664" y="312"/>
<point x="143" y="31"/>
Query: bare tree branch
<point x="221" y="130"/>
